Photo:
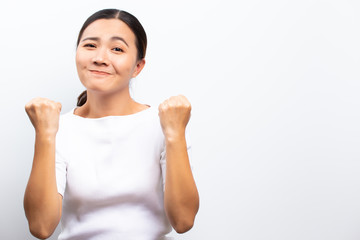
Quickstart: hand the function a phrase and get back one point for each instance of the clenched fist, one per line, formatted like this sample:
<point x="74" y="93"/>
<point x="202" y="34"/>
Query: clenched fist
<point x="44" y="115"/>
<point x="174" y="115"/>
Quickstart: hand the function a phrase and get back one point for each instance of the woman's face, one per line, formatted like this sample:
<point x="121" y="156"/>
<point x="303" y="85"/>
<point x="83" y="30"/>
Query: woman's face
<point x="106" y="57"/>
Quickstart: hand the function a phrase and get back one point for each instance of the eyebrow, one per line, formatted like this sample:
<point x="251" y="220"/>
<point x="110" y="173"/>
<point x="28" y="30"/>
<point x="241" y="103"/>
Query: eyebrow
<point x="113" y="39"/>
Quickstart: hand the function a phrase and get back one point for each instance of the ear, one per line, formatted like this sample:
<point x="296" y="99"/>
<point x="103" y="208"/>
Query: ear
<point x="139" y="66"/>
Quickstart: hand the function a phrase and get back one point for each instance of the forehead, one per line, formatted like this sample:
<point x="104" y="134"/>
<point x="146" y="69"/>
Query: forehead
<point x="108" y="28"/>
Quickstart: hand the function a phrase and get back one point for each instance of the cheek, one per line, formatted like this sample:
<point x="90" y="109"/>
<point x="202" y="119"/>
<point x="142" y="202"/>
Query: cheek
<point x="80" y="61"/>
<point x="124" y="65"/>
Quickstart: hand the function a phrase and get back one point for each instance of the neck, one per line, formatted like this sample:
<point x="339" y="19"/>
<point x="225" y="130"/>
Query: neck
<point x="101" y="105"/>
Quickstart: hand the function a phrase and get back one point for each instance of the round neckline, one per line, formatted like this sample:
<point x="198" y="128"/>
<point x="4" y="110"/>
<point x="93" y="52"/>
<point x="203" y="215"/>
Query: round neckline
<point x="111" y="116"/>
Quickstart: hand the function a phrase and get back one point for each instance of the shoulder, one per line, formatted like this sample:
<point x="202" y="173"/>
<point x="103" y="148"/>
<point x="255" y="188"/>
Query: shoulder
<point x="150" y="117"/>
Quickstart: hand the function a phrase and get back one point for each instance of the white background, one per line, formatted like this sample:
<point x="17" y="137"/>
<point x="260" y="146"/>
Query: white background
<point x="275" y="92"/>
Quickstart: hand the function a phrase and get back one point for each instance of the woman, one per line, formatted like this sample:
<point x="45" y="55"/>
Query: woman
<point x="111" y="168"/>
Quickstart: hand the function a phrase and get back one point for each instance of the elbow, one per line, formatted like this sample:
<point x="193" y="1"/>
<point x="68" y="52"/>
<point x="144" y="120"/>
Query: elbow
<point x="40" y="231"/>
<point x="182" y="218"/>
<point x="183" y="226"/>
<point x="42" y="216"/>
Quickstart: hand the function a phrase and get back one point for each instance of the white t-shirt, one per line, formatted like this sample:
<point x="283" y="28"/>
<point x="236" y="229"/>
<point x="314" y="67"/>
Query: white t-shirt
<point x="111" y="174"/>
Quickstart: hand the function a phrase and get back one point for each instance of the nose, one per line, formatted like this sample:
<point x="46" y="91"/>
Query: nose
<point x="100" y="57"/>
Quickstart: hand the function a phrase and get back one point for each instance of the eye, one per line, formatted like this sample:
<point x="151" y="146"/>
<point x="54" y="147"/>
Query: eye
<point x="89" y="45"/>
<point x="117" y="49"/>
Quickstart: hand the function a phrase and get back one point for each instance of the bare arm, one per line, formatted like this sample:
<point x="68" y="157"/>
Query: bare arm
<point x="42" y="202"/>
<point x="181" y="199"/>
<point x="181" y="196"/>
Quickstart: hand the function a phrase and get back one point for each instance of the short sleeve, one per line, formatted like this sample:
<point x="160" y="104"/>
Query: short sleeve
<point x="163" y="158"/>
<point x="60" y="167"/>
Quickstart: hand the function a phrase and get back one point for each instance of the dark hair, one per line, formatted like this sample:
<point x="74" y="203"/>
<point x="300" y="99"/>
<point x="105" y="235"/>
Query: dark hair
<point x="131" y="21"/>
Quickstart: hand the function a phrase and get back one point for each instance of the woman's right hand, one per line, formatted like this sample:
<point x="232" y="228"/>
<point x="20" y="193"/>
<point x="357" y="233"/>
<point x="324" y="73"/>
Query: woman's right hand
<point x="44" y="115"/>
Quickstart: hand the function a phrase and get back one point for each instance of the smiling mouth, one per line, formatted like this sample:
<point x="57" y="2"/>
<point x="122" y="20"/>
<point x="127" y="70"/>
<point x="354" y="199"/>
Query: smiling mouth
<point x="99" y="72"/>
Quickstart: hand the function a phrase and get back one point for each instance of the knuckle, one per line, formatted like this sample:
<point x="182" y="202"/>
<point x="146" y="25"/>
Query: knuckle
<point x="51" y="104"/>
<point x="39" y="100"/>
<point x="36" y="105"/>
<point x="161" y="107"/>
<point x="27" y="108"/>
<point x="46" y="105"/>
<point x="172" y="99"/>
<point x="28" y="105"/>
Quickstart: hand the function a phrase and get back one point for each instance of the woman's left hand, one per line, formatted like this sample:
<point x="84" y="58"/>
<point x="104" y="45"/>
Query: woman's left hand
<point x="174" y="115"/>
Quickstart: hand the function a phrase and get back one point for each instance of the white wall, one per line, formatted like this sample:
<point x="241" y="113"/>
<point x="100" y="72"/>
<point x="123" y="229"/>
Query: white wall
<point x="275" y="92"/>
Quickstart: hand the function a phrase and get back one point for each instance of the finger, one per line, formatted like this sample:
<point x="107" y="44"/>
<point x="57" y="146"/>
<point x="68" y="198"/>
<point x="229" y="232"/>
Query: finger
<point x="59" y="106"/>
<point x="162" y="106"/>
<point x="183" y="99"/>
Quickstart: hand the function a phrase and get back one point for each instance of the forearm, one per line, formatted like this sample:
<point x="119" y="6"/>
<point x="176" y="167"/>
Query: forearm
<point x="181" y="196"/>
<point x="42" y="203"/>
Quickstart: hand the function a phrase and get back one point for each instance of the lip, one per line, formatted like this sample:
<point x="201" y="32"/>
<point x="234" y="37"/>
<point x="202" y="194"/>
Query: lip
<point x="99" y="72"/>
